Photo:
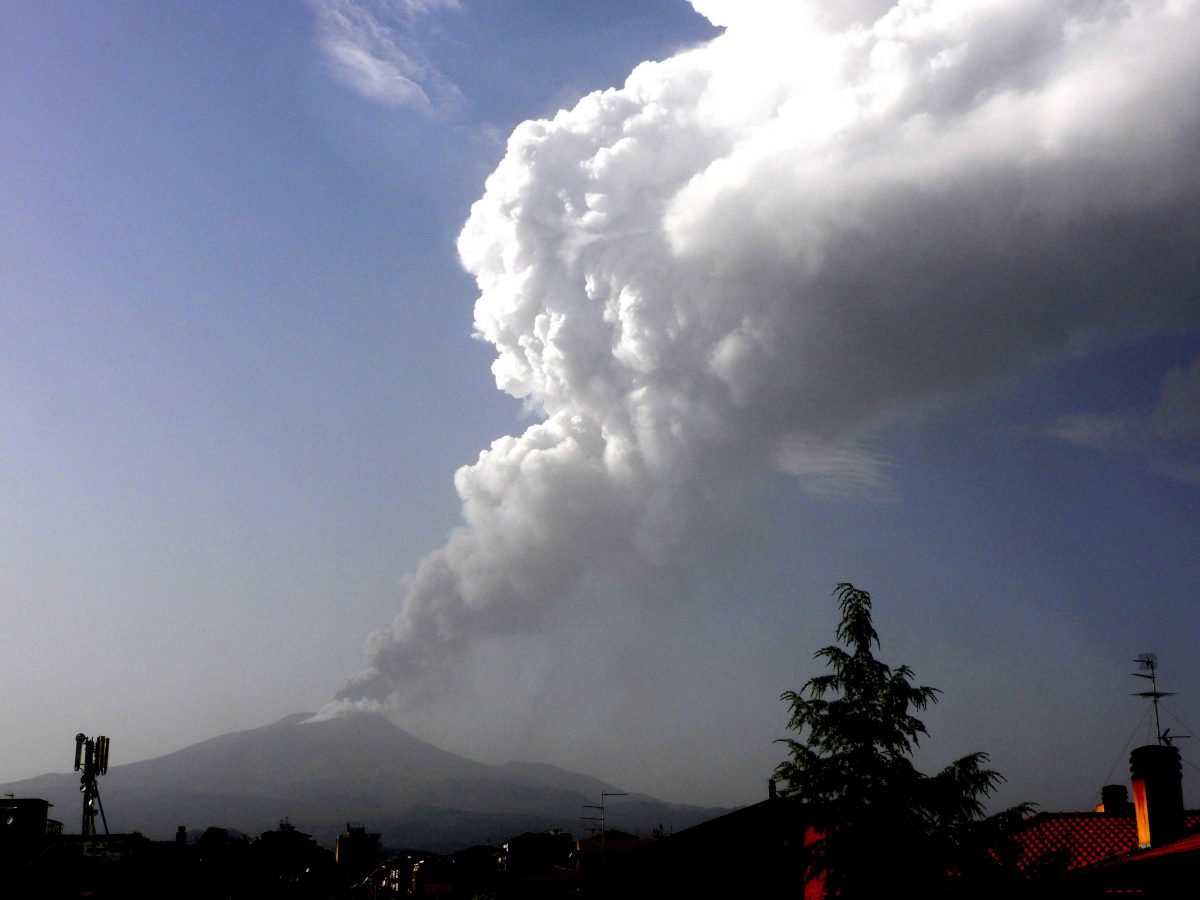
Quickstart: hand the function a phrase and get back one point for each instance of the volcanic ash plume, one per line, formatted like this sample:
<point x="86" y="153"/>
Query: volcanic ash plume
<point x="762" y="251"/>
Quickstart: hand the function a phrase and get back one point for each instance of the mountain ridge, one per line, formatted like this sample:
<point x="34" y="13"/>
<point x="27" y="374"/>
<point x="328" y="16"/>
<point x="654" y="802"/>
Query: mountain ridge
<point x="360" y="767"/>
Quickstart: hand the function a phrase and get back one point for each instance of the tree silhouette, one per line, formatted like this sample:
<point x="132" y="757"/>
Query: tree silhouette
<point x="881" y="822"/>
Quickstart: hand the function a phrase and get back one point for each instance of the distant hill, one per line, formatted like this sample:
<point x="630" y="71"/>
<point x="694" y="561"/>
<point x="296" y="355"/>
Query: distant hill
<point x="358" y="768"/>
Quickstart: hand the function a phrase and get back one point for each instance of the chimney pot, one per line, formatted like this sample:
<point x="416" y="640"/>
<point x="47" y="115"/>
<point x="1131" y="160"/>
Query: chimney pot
<point x="1114" y="798"/>
<point x="1157" y="776"/>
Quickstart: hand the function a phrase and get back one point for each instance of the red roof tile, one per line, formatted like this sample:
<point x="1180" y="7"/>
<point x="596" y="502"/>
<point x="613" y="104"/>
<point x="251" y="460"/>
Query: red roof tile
<point x="1066" y="841"/>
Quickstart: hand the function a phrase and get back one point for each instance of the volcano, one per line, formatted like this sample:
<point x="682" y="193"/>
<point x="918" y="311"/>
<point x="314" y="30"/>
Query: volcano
<point x="360" y="768"/>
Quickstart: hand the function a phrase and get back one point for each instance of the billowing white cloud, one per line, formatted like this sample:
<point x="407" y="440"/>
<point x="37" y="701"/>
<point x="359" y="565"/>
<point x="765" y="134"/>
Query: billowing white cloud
<point x="756" y="255"/>
<point x="1167" y="435"/>
<point x="370" y="48"/>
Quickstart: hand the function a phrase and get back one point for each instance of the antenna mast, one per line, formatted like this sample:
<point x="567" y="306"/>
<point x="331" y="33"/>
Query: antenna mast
<point x="91" y="758"/>
<point x="602" y="818"/>
<point x="1149" y="665"/>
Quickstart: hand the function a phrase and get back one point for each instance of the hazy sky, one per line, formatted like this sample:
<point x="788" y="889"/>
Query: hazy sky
<point x="577" y="383"/>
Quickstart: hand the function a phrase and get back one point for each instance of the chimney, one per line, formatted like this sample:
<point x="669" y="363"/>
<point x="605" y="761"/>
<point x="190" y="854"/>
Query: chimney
<point x="1114" y="800"/>
<point x="1157" y="777"/>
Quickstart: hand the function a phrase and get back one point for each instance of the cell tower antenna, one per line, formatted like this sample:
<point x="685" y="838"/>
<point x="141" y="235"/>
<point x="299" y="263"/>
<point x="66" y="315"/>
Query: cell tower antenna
<point x="1148" y="663"/>
<point x="91" y="758"/>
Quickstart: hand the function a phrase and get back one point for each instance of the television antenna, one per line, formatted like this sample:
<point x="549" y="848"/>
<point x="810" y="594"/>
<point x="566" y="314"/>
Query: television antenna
<point x="604" y="795"/>
<point x="601" y="818"/>
<point x="1148" y="663"/>
<point x="91" y="758"/>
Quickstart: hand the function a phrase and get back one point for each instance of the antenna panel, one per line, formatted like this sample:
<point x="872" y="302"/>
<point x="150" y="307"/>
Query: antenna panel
<point x="102" y="754"/>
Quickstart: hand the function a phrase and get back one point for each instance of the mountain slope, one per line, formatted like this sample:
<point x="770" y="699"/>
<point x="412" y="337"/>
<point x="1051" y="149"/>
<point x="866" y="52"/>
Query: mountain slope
<point x="357" y="768"/>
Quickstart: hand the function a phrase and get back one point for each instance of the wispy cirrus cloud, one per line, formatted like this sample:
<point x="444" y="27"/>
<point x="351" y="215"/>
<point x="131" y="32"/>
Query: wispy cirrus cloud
<point x="373" y="48"/>
<point x="1167" y="434"/>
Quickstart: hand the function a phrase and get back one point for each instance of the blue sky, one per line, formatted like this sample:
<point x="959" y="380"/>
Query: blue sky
<point x="239" y="376"/>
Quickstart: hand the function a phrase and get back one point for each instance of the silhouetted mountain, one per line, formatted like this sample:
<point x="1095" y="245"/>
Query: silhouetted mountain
<point x="356" y="768"/>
